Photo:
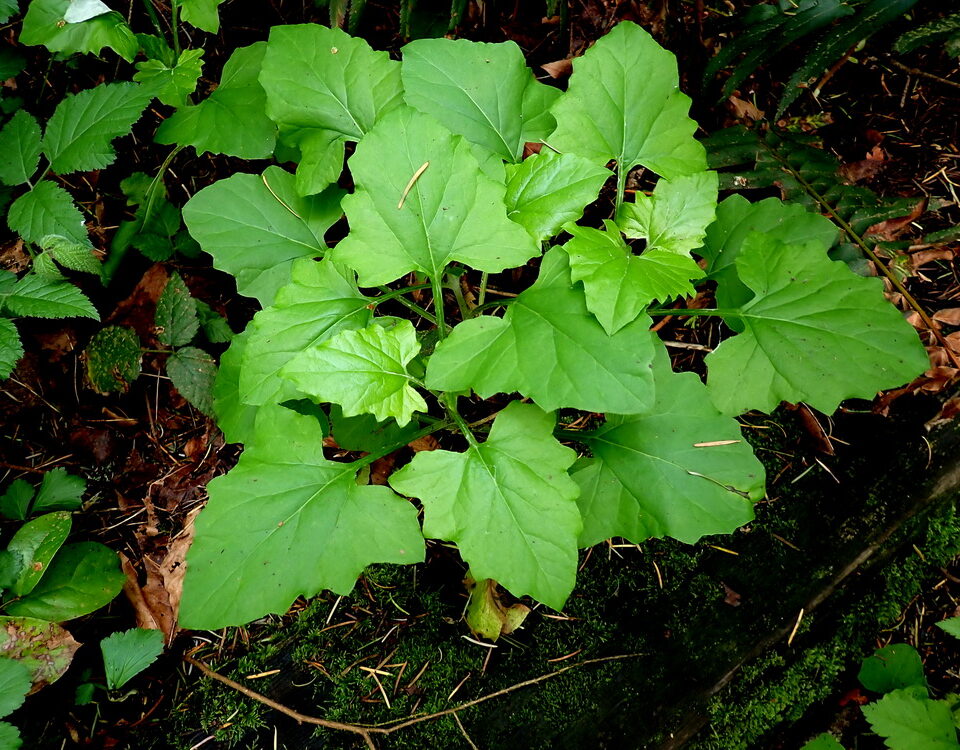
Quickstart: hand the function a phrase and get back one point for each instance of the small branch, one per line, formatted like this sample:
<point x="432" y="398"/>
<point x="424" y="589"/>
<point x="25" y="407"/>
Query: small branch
<point x="923" y="74"/>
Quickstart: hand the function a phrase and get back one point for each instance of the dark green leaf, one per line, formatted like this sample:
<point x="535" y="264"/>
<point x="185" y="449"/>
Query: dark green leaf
<point x="176" y="319"/>
<point x="113" y="359"/>
<point x="127" y="654"/>
<point x="44" y="24"/>
<point x="891" y="668"/>
<point x="19" y="148"/>
<point x="59" y="491"/>
<point x="193" y="372"/>
<point x="172" y="85"/>
<point x="15" y="501"/>
<point x="47" y="210"/>
<point x="14" y="684"/>
<point x="11" y="350"/>
<point x="35" y="544"/>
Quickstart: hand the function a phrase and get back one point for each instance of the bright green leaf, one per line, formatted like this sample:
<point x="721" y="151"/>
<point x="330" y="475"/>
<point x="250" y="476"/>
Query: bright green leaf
<point x="364" y="371"/>
<point x="35" y="544"/>
<point x="551" y="349"/>
<point x="319" y="302"/>
<point x="323" y="83"/>
<point x="44" y="648"/>
<point x="823" y="742"/>
<point x="951" y="625"/>
<point x="70" y="254"/>
<point x="14" y="685"/>
<point x="736" y="219"/>
<point x="815" y="332"/>
<point x="59" y="491"/>
<point x="908" y="720"/>
<point x="10" y="737"/>
<point x="547" y="190"/>
<point x="15" y="501"/>
<point x="680" y="469"/>
<point x="171" y="85"/>
<point x="126" y="654"/>
<point x="82" y="578"/>
<point x="231" y="120"/>
<point x="365" y="433"/>
<point x="79" y="133"/>
<point x="287" y="522"/>
<point x="508" y="504"/>
<point x="113" y="359"/>
<point x="44" y="24"/>
<point x="19" y="148"/>
<point x="321" y="160"/>
<point x="11" y="349"/>
<point x="891" y="668"/>
<point x="474" y="89"/>
<point x="40" y="297"/>
<point x="47" y="210"/>
<point x="193" y="373"/>
<point x="619" y="285"/>
<point x="256" y="226"/>
<point x="676" y="216"/>
<point x="451" y="212"/>
<point x="201" y="13"/>
<point x="234" y="417"/>
<point x="176" y="317"/>
<point x="624" y="103"/>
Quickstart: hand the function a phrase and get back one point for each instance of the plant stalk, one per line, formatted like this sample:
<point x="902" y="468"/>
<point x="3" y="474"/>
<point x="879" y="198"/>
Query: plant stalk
<point x="436" y="283"/>
<point x="449" y="402"/>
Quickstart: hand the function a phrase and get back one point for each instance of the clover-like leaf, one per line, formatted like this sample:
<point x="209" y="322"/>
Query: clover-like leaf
<point x="47" y="210"/>
<point x="679" y="469"/>
<point x="619" y="285"/>
<point x="19" y="148"/>
<point x="172" y="85"/>
<point x="319" y="302"/>
<point x="231" y="120"/>
<point x="547" y="190"/>
<point x="676" y="216"/>
<point x="908" y="720"/>
<point x="624" y="103"/>
<point x="422" y="202"/>
<point x="325" y="87"/>
<point x="364" y="371"/>
<point x="79" y="133"/>
<point x="508" y="503"/>
<point x="550" y="348"/>
<point x="736" y="219"/>
<point x="287" y="522"/>
<point x="256" y="226"/>
<point x="815" y="332"/>
<point x="82" y="578"/>
<point x="478" y="90"/>
<point x="44" y="23"/>
<point x="128" y="653"/>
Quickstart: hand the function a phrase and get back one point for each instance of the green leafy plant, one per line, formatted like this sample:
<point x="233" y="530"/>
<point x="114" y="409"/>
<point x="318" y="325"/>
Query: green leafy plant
<point x="773" y="26"/>
<point x="126" y="654"/>
<point x="446" y="219"/>
<point x="946" y="30"/>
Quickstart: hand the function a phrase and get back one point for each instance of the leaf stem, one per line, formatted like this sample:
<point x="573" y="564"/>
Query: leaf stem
<point x="449" y="402"/>
<point x="465" y="311"/>
<point x="428" y="430"/>
<point x="570" y="435"/>
<point x="621" y="187"/>
<point x="407" y="303"/>
<point x="680" y="311"/>
<point x="152" y="13"/>
<point x="482" y="294"/>
<point x="174" y="26"/>
<point x="435" y="282"/>
<point x="393" y="294"/>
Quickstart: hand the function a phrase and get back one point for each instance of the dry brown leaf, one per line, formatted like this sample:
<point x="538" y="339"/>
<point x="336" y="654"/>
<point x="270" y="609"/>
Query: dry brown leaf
<point x="950" y="316"/>
<point x="922" y="257"/>
<point x="744" y="110"/>
<point x="425" y="443"/>
<point x="174" y="567"/>
<point x="892" y="228"/>
<point x="866" y="169"/>
<point x="559" y="68"/>
<point x="730" y="596"/>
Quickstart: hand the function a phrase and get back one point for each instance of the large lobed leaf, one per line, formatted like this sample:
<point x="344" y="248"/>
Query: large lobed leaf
<point x="676" y="216"/>
<point x="679" y="469"/>
<point x="508" y="503"/>
<point x="484" y="92"/>
<point x="79" y="133"/>
<point x="287" y="522"/>
<point x="450" y="212"/>
<point x="815" y="332"/>
<point x="624" y="103"/>
<point x="44" y="24"/>
<point x="255" y="226"/>
<point x="550" y="348"/>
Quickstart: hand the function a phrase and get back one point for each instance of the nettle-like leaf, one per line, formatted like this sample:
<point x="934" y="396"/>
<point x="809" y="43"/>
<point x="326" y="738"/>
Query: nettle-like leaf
<point x="174" y="84"/>
<point x="73" y="255"/>
<point x="47" y="210"/>
<point x="45" y="24"/>
<point x="40" y="297"/>
<point x="422" y="203"/>
<point x="176" y="316"/>
<point x="231" y="120"/>
<point x="550" y="348"/>
<point x="479" y="91"/>
<point x="508" y="503"/>
<point x="736" y="219"/>
<point x="624" y="103"/>
<point x="547" y="190"/>
<point x="815" y="332"/>
<point x="19" y="148"/>
<point x="113" y="359"/>
<point x="11" y="348"/>
<point x="679" y="469"/>
<point x="287" y="522"/>
<point x="676" y="216"/>
<point x="324" y="88"/>
<point x="255" y="227"/>
<point x="79" y="133"/>
<point x="193" y="373"/>
<point x="363" y="371"/>
<point x="618" y="285"/>
<point x="908" y="720"/>
<point x="320" y="301"/>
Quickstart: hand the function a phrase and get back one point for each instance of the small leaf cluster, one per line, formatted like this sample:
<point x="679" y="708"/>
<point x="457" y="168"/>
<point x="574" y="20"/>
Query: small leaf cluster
<point x="469" y="179"/>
